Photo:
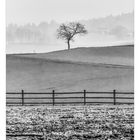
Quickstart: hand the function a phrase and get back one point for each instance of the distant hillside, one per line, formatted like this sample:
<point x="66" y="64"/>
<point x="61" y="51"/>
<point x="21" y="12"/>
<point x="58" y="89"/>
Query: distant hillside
<point x="119" y="28"/>
<point x="110" y="22"/>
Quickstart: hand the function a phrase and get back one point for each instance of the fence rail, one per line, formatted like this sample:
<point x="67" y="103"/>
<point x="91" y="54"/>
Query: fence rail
<point x="27" y="98"/>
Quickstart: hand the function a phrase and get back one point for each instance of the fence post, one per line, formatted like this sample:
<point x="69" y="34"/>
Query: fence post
<point x="53" y="97"/>
<point x="114" y="96"/>
<point x="22" y="92"/>
<point x="84" y="97"/>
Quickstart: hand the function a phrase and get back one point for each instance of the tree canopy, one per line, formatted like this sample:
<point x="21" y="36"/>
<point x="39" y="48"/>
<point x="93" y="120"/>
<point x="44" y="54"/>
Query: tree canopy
<point x="68" y="31"/>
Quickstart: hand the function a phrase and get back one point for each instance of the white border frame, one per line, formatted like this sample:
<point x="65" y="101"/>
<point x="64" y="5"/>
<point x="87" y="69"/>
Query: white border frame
<point x="3" y="70"/>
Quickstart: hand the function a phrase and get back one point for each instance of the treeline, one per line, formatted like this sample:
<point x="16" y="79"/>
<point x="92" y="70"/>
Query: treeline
<point x="31" y="33"/>
<point x="120" y="27"/>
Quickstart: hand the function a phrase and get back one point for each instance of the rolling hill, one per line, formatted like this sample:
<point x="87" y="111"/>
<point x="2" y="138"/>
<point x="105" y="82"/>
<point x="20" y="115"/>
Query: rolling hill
<point x="93" y="69"/>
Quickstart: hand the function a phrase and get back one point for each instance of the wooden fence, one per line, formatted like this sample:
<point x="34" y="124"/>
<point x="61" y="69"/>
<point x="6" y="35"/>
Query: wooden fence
<point x="54" y="98"/>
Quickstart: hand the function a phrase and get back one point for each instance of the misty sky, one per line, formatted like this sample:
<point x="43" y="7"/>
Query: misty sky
<point x="24" y="11"/>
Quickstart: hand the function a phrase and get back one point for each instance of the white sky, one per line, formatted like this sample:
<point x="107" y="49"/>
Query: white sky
<point x="23" y="11"/>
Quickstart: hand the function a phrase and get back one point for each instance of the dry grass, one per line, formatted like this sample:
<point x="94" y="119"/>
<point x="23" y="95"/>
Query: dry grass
<point x="72" y="122"/>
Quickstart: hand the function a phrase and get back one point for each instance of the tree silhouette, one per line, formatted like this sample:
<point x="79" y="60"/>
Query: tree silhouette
<point x="68" y="31"/>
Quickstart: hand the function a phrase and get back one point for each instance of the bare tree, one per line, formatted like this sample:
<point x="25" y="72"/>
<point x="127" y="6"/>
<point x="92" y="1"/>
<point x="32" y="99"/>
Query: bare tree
<point x="68" y="31"/>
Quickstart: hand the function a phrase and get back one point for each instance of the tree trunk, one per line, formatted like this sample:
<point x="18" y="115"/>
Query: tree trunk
<point x="68" y="45"/>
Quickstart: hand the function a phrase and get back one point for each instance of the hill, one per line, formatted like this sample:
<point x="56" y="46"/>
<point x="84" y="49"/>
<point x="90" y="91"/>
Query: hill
<point x="113" y="55"/>
<point x="93" y="69"/>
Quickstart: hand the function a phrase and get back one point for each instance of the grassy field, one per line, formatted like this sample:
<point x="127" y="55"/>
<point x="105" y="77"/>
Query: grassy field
<point x="93" y="69"/>
<point x="113" y="55"/>
<point x="98" y="122"/>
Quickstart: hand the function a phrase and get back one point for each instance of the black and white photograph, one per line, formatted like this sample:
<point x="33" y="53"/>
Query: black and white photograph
<point x="69" y="69"/>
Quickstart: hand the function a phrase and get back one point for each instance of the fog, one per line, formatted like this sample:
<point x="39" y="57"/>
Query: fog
<point x="32" y="24"/>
